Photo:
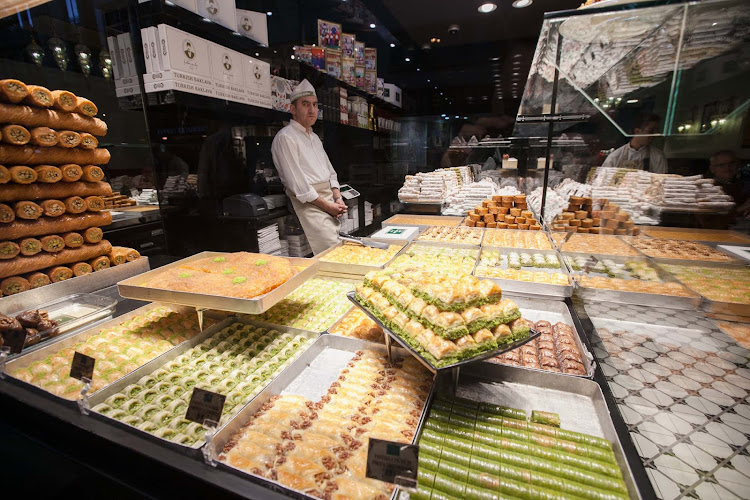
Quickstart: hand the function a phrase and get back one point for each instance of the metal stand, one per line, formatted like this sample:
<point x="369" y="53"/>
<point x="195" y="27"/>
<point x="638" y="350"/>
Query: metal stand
<point x="83" y="403"/>
<point x="4" y="353"/>
<point x="455" y="372"/>
<point x="209" y="450"/>
<point x="200" y="311"/>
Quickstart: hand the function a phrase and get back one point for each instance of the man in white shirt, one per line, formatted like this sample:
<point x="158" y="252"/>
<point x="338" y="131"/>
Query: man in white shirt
<point x="306" y="172"/>
<point x="639" y="154"/>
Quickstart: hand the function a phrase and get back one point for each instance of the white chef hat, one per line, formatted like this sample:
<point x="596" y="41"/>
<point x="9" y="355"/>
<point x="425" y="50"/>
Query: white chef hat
<point x="304" y="89"/>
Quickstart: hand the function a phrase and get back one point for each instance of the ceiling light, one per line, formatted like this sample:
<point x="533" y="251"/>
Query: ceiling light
<point x="407" y="59"/>
<point x="292" y="56"/>
<point x="516" y="74"/>
<point x="466" y="117"/>
<point x="456" y="116"/>
<point x="443" y="115"/>
<point x="494" y="59"/>
<point x="632" y="101"/>
<point x="488" y="7"/>
<point x="372" y="25"/>
<point x="520" y="4"/>
<point x="516" y="56"/>
<point x="447" y="117"/>
<point x="393" y="45"/>
<point x="419" y="69"/>
<point x="428" y="80"/>
<point x="269" y="13"/>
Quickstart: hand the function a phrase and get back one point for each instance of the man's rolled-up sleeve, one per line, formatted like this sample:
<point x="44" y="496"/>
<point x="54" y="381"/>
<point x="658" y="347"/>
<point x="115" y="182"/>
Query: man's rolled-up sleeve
<point x="286" y="159"/>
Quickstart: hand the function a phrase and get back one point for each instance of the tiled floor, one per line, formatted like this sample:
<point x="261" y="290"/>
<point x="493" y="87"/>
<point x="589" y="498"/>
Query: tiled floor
<point x="683" y="388"/>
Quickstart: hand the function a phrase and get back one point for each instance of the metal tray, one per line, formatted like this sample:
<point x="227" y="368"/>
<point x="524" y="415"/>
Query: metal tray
<point x="579" y="402"/>
<point x="311" y="374"/>
<point x="731" y="309"/>
<point x="339" y="269"/>
<point x="554" y="311"/>
<point x="442" y="245"/>
<point x="417" y="241"/>
<point x="530" y="288"/>
<point x="133" y="289"/>
<point x="71" y="313"/>
<point x="413" y="207"/>
<point x="634" y="298"/>
<point x="727" y="236"/>
<point x="159" y="362"/>
<point x="490" y="229"/>
<point x="437" y="218"/>
<point x="485" y="355"/>
<point x="25" y="359"/>
<point x="81" y="284"/>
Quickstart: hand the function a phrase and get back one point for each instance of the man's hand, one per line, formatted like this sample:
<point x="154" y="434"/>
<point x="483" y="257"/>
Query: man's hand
<point x="335" y="209"/>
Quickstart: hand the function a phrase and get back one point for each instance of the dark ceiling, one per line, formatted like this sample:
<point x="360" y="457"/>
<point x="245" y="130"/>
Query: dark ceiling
<point x="481" y="68"/>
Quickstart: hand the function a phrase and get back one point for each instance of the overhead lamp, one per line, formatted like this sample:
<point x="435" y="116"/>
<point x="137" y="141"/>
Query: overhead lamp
<point x="516" y="56"/>
<point x="447" y="117"/>
<point x="488" y="7"/>
<point x="269" y="13"/>
<point x="494" y="58"/>
<point x="419" y="69"/>
<point x="372" y="25"/>
<point x="407" y="59"/>
<point x="520" y="4"/>
<point x="631" y="101"/>
<point x="443" y="115"/>
<point x="428" y="80"/>
<point x="466" y="117"/>
<point x="292" y="56"/>
<point x="516" y="74"/>
<point x="393" y="45"/>
<point x="456" y="116"/>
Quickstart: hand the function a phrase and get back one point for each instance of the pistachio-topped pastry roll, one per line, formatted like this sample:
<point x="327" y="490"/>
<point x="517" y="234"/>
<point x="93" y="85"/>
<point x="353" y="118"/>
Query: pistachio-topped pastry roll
<point x="43" y="136"/>
<point x="13" y="90"/>
<point x="74" y="205"/>
<point x="30" y="246"/>
<point x="68" y="139"/>
<point x="73" y="240"/>
<point x="94" y="203"/>
<point x="9" y="249"/>
<point x="86" y="107"/>
<point x="118" y="255"/>
<point x="52" y="243"/>
<point x="4" y="175"/>
<point x="88" y="141"/>
<point x="64" y="100"/>
<point x="93" y="235"/>
<point x="7" y="214"/>
<point x="60" y="273"/>
<point x="48" y="174"/>
<point x="71" y="172"/>
<point x="53" y="208"/>
<point x="13" y="285"/>
<point x="28" y="210"/>
<point x="15" y="134"/>
<point x="38" y="279"/>
<point x="82" y="268"/>
<point x="100" y="263"/>
<point x="92" y="173"/>
<point x="22" y="175"/>
<point x="39" y="96"/>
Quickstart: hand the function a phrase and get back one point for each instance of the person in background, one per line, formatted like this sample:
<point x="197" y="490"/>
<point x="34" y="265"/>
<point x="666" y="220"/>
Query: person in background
<point x="639" y="154"/>
<point x="307" y="174"/>
<point x="725" y="170"/>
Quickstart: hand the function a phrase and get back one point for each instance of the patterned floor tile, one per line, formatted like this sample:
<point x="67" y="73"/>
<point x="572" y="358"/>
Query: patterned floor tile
<point x="673" y="423"/>
<point x="656" y="397"/>
<point x="695" y="417"/>
<point x="677" y="470"/>
<point x="664" y="487"/>
<point x="729" y="389"/>
<point x="741" y="464"/>
<point x="711" y="444"/>
<point x="694" y="457"/>
<point x="712" y="491"/>
<point x="717" y="397"/>
<point x="646" y="448"/>
<point x="671" y="389"/>
<point x="736" y="422"/>
<point x="734" y="481"/>
<point x="726" y="434"/>
<point x="703" y="405"/>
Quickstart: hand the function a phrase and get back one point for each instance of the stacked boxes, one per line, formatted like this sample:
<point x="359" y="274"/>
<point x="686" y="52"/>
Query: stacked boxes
<point x="585" y="215"/>
<point x="503" y="212"/>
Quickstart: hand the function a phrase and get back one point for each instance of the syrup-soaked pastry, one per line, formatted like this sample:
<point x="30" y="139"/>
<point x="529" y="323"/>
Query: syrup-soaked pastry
<point x="100" y="263"/>
<point x="73" y="239"/>
<point x="71" y="172"/>
<point x="15" y="134"/>
<point x="9" y="249"/>
<point x="81" y="268"/>
<point x="74" y="205"/>
<point x="60" y="273"/>
<point x="88" y="141"/>
<point x="30" y="246"/>
<point x="44" y="136"/>
<point x="7" y="214"/>
<point x="86" y="107"/>
<point x="94" y="203"/>
<point x="4" y="175"/>
<point x="64" y="100"/>
<point x="92" y="173"/>
<point x="48" y="173"/>
<point x="38" y="279"/>
<point x="93" y="235"/>
<point x="13" y="285"/>
<point x="52" y="243"/>
<point x="13" y="90"/>
<point x="68" y="139"/>
<point x="28" y="210"/>
<point x="39" y="96"/>
<point x="22" y="175"/>
<point x="53" y="208"/>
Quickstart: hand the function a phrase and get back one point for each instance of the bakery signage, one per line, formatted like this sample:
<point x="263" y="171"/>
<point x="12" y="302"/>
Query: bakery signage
<point x="205" y="405"/>
<point x="82" y="366"/>
<point x="392" y="462"/>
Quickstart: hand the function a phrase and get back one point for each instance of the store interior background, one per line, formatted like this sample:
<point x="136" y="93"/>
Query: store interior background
<point x="471" y="83"/>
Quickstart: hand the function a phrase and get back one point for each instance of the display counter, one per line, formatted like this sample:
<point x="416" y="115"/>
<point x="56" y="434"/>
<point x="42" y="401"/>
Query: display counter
<point x="672" y="385"/>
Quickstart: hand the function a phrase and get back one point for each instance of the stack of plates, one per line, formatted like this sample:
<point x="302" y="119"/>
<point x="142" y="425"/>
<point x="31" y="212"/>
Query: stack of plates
<point x="268" y="240"/>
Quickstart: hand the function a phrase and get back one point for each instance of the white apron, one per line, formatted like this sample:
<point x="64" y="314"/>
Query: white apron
<point x="321" y="230"/>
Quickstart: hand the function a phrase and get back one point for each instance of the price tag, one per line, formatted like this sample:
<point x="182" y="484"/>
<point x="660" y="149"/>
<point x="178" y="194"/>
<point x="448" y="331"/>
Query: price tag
<point x="205" y="405"/>
<point x="15" y="339"/>
<point x="394" y="463"/>
<point x="82" y="366"/>
<point x="396" y="231"/>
